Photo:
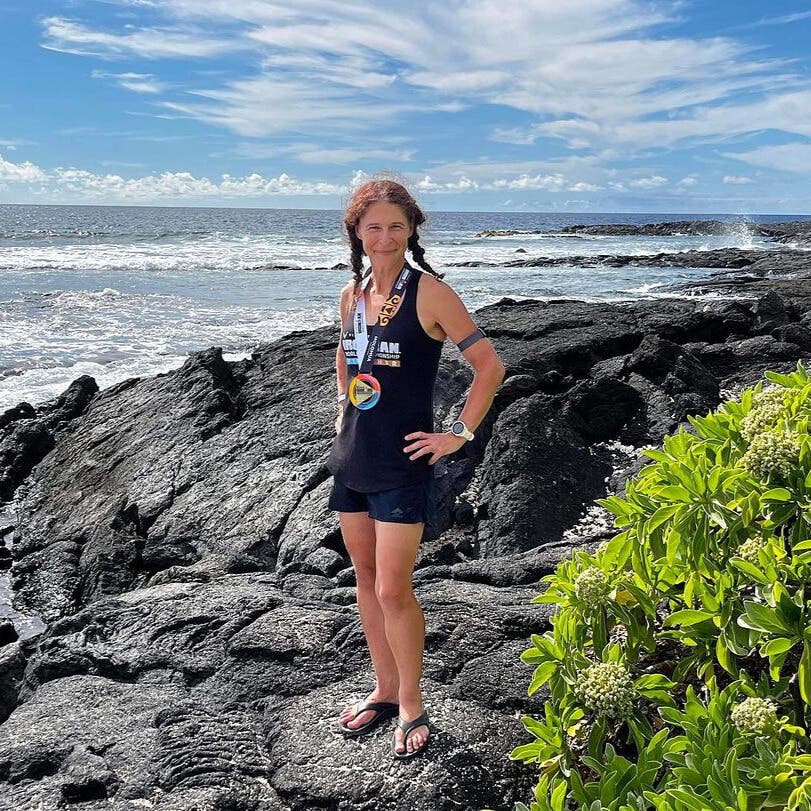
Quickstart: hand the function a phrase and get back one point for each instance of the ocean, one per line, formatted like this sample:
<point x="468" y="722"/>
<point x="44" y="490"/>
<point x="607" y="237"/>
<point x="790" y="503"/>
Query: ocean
<point x="124" y="291"/>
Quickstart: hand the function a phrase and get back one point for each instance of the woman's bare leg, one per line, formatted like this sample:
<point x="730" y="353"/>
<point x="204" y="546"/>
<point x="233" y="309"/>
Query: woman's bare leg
<point x="359" y="538"/>
<point x="397" y="546"/>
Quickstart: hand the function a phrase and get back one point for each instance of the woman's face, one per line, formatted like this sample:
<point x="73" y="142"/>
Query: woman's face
<point x="384" y="231"/>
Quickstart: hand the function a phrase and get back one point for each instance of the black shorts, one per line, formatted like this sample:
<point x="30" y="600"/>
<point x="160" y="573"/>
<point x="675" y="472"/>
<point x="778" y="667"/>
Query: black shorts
<point x="402" y="505"/>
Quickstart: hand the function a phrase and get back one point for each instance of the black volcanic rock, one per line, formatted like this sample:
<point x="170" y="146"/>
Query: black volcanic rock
<point x="760" y="261"/>
<point x="793" y="231"/>
<point x="676" y="227"/>
<point x="202" y="632"/>
<point x="28" y="434"/>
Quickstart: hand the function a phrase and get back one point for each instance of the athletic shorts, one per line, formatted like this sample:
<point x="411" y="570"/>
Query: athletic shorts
<point x="402" y="505"/>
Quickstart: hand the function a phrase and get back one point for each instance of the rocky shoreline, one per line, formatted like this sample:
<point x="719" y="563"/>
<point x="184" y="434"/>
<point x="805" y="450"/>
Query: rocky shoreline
<point x="793" y="231"/>
<point x="201" y="632"/>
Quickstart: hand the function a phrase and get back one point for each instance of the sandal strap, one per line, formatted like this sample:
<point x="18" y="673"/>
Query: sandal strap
<point x="374" y="706"/>
<point x="407" y="726"/>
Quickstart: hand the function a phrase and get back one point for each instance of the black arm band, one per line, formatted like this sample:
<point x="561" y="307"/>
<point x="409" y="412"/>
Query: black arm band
<point x="471" y="339"/>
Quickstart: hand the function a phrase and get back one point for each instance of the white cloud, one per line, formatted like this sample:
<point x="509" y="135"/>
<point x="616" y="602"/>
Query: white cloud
<point x="596" y="73"/>
<point x="783" y="19"/>
<point x="555" y="182"/>
<point x="689" y="180"/>
<point x="20" y="172"/>
<point x="265" y="105"/>
<point x="476" y="180"/>
<point x="428" y="184"/>
<point x="315" y="154"/>
<point x="73" y="183"/>
<point x="584" y="187"/>
<point x="651" y="182"/>
<point x="180" y="185"/>
<point x="152" y="43"/>
<point x="348" y="155"/>
<point x="12" y="144"/>
<point x="137" y="82"/>
<point x="737" y="180"/>
<point x="793" y="157"/>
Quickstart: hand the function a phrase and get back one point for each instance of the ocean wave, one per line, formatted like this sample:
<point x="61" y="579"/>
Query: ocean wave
<point x="39" y="234"/>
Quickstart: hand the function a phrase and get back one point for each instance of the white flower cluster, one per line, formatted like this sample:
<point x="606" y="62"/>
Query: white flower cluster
<point x="591" y="586"/>
<point x="768" y="406"/>
<point x="606" y="688"/>
<point x="749" y="549"/>
<point x="771" y="452"/>
<point x="758" y="715"/>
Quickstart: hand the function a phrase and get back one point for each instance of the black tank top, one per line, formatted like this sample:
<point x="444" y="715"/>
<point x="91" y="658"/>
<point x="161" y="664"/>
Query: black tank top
<point x="367" y="455"/>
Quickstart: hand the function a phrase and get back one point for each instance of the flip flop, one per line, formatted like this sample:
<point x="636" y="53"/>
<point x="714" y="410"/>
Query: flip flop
<point x="407" y="727"/>
<point x="382" y="710"/>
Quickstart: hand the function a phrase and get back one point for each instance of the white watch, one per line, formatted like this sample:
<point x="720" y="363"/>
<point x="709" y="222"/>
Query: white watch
<point x="460" y="429"/>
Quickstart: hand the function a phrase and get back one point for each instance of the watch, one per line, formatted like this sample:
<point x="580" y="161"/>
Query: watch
<point x="460" y="429"/>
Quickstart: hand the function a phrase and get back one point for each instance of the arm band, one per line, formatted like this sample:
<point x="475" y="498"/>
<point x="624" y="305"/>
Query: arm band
<point x="471" y="339"/>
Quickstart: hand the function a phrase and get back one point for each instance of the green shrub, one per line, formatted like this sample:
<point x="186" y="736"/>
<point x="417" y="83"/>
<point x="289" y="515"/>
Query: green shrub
<point x="678" y="664"/>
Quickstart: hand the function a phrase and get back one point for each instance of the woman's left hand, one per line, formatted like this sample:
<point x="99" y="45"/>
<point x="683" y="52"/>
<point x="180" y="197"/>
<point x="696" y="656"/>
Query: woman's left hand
<point x="438" y="445"/>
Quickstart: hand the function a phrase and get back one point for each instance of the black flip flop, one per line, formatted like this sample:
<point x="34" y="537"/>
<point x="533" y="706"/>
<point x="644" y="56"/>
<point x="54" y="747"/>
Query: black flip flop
<point x="407" y="726"/>
<point x="382" y="710"/>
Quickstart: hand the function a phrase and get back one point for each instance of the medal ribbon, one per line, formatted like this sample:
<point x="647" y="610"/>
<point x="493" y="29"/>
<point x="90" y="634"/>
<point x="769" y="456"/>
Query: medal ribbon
<point x="367" y="341"/>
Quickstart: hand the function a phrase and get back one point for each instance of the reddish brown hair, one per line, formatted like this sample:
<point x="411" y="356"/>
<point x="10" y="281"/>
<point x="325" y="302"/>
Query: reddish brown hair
<point x="383" y="191"/>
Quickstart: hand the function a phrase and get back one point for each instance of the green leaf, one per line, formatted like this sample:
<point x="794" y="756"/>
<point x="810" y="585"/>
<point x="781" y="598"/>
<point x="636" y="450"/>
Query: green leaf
<point x="688" y="616"/>
<point x="761" y="617"/>
<point x="660" y="516"/>
<point x="657" y="455"/>
<point x="688" y="798"/>
<point x="542" y="675"/>
<point x="650" y="680"/>
<point x="724" y="656"/>
<point x="675" y="493"/>
<point x="559" y="797"/>
<point x="777" y="494"/>
<point x="782" y="380"/>
<point x="780" y="644"/>
<point x="804" y="673"/>
<point x="750" y="570"/>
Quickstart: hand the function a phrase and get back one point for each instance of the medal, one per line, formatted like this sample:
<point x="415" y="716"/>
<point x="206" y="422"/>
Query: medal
<point x="364" y="391"/>
<point x="364" y="388"/>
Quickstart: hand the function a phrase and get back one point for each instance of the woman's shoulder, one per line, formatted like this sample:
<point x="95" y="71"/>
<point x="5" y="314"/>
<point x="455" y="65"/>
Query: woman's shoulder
<point x="432" y="286"/>
<point x="430" y="282"/>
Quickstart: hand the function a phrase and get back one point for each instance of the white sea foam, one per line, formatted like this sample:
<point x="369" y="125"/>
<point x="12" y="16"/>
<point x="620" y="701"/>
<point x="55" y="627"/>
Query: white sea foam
<point x="124" y="292"/>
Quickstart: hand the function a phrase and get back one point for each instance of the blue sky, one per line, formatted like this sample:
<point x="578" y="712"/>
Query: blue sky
<point x="583" y="105"/>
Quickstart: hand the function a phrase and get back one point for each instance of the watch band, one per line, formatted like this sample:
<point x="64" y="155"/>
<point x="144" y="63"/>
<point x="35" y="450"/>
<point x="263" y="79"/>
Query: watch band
<point x="465" y="432"/>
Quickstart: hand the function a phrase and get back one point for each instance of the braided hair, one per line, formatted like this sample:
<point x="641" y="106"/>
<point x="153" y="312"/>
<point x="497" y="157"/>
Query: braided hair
<point x="383" y="191"/>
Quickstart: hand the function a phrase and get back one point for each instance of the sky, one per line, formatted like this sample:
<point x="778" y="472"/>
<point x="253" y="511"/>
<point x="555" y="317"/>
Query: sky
<point x="478" y="105"/>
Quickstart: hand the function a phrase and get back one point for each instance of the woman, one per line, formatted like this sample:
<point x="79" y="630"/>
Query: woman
<point x="385" y="448"/>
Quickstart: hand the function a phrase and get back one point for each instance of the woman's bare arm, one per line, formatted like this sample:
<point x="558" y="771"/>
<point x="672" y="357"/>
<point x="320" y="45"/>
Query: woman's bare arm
<point x="340" y="357"/>
<point x="446" y="310"/>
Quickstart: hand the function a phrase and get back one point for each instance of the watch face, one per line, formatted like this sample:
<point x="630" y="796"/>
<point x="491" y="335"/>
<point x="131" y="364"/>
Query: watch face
<point x="457" y="428"/>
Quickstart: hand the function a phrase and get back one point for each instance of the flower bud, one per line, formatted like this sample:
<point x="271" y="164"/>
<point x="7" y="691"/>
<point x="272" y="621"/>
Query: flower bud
<point x="768" y="406"/>
<point x="591" y="586"/>
<point x="749" y="549"/>
<point x="606" y="688"/>
<point x="772" y="452"/>
<point x="758" y="715"/>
